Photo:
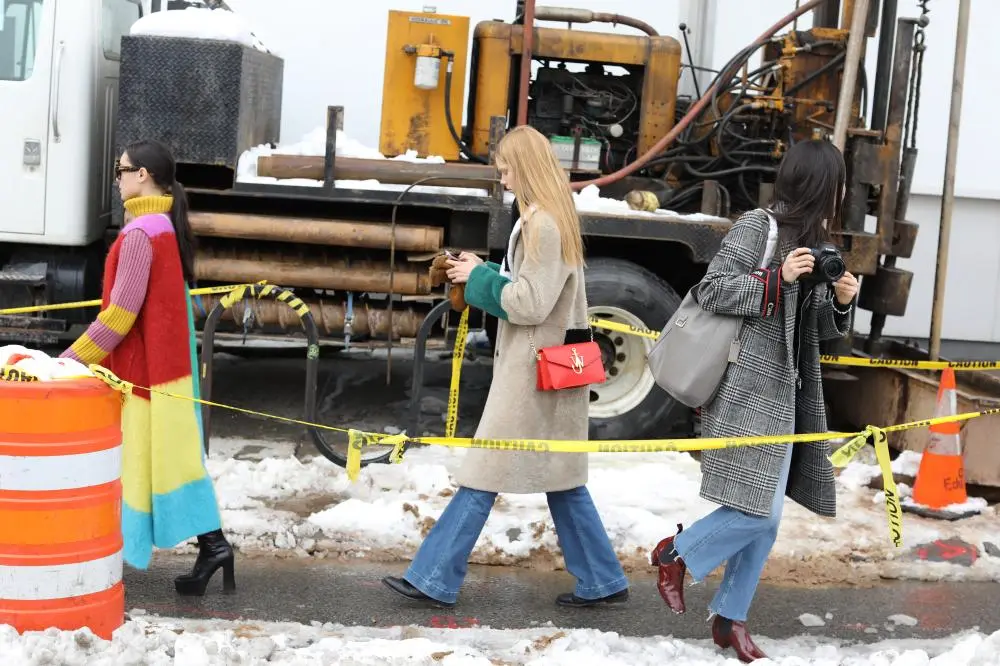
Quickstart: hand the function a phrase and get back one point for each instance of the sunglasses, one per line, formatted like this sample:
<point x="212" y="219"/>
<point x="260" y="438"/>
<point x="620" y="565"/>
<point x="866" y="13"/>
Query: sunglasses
<point x="127" y="168"/>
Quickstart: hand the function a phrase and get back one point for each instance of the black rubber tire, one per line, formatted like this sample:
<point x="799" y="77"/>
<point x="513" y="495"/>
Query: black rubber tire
<point x="630" y="287"/>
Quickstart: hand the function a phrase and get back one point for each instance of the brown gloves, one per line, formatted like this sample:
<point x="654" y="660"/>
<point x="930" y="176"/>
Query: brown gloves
<point x="439" y="276"/>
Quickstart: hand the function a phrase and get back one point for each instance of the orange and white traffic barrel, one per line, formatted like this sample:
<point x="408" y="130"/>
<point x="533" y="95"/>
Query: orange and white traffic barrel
<point x="60" y="506"/>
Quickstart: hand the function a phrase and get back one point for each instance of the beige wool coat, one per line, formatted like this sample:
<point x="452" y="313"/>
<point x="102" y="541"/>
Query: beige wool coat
<point x="546" y="298"/>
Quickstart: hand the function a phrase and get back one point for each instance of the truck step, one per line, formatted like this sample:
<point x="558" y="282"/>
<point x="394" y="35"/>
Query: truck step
<point x="31" y="331"/>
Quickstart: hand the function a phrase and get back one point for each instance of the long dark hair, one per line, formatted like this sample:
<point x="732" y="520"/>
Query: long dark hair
<point x="157" y="159"/>
<point x="809" y="189"/>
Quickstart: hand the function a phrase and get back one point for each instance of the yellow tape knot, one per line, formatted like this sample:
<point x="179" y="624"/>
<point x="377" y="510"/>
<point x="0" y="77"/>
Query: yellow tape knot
<point x="111" y="379"/>
<point x="877" y="438"/>
<point x="357" y="440"/>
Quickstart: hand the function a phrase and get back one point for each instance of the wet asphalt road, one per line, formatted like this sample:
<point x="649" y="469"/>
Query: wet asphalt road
<point x="301" y="590"/>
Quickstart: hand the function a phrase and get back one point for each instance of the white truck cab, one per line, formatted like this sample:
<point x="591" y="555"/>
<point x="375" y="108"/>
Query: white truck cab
<point x="59" y="70"/>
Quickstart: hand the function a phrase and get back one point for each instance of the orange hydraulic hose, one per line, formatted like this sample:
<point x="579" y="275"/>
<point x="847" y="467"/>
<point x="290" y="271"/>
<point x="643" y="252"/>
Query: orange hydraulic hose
<point x="528" y="42"/>
<point x="693" y="112"/>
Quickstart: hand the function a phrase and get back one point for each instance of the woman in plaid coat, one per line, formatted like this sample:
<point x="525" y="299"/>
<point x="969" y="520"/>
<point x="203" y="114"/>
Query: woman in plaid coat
<point x="774" y="388"/>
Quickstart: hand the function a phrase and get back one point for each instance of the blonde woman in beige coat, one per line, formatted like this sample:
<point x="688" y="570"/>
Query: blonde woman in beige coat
<point x="539" y="297"/>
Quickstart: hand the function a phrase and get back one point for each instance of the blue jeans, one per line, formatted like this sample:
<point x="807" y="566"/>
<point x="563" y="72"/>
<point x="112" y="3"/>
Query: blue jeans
<point x="740" y="540"/>
<point x="440" y="565"/>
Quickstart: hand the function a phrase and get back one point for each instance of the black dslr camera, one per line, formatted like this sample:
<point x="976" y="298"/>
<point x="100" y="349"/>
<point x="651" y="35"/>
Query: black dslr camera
<point x="829" y="266"/>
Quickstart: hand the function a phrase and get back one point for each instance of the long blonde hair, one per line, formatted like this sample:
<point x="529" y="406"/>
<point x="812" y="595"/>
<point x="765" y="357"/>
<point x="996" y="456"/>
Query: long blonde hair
<point x="540" y="181"/>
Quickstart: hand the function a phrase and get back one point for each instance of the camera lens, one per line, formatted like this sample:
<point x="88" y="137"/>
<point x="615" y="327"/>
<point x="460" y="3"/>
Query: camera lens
<point x="834" y="268"/>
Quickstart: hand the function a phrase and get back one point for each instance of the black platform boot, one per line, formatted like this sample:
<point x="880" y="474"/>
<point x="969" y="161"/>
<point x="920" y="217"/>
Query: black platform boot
<point x="213" y="552"/>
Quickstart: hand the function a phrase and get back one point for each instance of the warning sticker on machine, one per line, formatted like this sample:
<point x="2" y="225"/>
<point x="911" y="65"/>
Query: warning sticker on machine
<point x="431" y="21"/>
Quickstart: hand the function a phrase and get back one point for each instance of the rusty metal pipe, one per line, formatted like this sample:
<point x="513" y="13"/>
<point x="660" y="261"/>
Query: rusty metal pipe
<point x="950" y="162"/>
<point x="330" y="317"/>
<point x="395" y="172"/>
<point x="695" y="110"/>
<point x="356" y="275"/>
<point x="528" y="44"/>
<point x="849" y="80"/>
<point x="571" y="15"/>
<point x="311" y="231"/>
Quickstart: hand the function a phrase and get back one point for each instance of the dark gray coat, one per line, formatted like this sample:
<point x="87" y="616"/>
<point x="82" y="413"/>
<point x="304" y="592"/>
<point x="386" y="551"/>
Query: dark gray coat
<point x="758" y="393"/>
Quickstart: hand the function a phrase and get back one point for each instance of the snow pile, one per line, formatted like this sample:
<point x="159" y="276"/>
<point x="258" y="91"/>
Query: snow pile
<point x="198" y="23"/>
<point x="310" y="508"/>
<point x="907" y="464"/>
<point x="589" y="200"/>
<point x="40" y="365"/>
<point x="157" y="641"/>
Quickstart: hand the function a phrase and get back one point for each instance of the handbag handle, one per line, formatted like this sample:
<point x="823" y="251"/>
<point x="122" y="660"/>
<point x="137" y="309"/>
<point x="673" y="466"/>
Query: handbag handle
<point x="531" y="340"/>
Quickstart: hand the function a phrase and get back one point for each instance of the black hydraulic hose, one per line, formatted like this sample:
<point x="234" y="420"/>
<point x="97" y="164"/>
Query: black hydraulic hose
<point x="447" y="113"/>
<point x="835" y="63"/>
<point x="729" y="172"/>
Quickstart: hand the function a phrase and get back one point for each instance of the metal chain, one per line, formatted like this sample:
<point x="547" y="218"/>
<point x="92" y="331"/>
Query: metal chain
<point x="910" y="134"/>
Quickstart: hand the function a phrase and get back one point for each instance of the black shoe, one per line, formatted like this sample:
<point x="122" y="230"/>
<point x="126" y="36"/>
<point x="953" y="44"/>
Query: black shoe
<point x="403" y="588"/>
<point x="570" y="600"/>
<point x="214" y="552"/>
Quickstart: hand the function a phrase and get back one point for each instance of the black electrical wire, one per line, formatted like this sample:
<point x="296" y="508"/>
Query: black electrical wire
<point x="447" y="113"/>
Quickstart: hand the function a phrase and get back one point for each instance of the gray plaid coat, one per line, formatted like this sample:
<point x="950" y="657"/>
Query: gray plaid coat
<point x="758" y="394"/>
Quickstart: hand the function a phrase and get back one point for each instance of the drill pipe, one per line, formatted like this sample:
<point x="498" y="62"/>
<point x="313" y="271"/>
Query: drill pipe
<point x="395" y="172"/>
<point x="342" y="233"/>
<point x="358" y="275"/>
<point x="329" y="316"/>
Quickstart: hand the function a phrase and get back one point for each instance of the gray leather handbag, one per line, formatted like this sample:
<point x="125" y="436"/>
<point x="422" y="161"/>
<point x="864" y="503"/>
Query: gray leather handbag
<point x="690" y="358"/>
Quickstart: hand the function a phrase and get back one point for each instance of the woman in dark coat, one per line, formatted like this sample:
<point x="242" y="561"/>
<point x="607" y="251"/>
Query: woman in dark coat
<point x="764" y="272"/>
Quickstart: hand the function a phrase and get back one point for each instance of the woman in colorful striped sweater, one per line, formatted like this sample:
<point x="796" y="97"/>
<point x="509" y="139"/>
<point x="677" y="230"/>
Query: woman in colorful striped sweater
<point x="145" y="335"/>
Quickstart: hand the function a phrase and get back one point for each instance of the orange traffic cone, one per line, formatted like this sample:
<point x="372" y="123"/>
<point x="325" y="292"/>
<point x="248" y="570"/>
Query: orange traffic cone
<point x="941" y="477"/>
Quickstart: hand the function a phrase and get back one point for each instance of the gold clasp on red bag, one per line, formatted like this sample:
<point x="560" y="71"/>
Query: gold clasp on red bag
<point x="577" y="361"/>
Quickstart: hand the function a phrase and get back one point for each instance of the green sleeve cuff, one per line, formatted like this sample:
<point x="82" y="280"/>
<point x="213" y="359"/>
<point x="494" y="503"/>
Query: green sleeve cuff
<point x="493" y="267"/>
<point x="483" y="290"/>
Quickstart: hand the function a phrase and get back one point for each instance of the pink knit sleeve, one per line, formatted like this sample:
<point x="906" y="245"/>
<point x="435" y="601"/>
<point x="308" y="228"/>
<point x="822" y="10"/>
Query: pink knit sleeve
<point x="127" y="296"/>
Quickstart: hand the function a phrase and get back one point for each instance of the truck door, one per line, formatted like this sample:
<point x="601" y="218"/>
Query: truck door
<point x="29" y="79"/>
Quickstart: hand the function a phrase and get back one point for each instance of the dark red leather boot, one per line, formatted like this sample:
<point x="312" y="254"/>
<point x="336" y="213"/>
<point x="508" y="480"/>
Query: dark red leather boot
<point x="730" y="634"/>
<point x="670" y="581"/>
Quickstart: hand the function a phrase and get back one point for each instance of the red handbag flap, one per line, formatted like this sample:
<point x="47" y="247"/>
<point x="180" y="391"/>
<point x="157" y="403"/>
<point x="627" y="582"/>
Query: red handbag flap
<point x="577" y="356"/>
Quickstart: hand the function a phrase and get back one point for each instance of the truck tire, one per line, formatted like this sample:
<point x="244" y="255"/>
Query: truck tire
<point x="629" y="405"/>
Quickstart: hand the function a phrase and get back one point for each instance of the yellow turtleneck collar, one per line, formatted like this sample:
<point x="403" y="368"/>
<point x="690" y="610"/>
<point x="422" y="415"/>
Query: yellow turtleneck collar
<point x="150" y="205"/>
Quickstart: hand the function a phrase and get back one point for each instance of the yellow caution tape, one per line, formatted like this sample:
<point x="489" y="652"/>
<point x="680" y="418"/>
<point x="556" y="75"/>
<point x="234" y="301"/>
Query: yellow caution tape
<point x="856" y="361"/>
<point x="262" y="290"/>
<point x="201" y="291"/>
<point x="451" y="422"/>
<point x="876" y="436"/>
<point x="358" y="439"/>
<point x="9" y="373"/>
<point x="624" y="328"/>
<point x="826" y="359"/>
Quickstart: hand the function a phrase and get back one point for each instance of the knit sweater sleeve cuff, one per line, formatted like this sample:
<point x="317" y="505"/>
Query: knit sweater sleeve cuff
<point x="483" y="290"/>
<point x="127" y="296"/>
<point x="492" y="266"/>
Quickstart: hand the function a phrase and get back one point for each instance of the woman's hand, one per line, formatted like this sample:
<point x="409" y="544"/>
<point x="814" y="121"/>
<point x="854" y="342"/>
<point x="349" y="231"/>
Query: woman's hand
<point x="799" y="262"/>
<point x="469" y="256"/>
<point x="459" y="271"/>
<point x="846" y="288"/>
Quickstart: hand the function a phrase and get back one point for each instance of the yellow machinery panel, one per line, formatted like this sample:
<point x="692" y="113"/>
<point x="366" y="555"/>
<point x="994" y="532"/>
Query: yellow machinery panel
<point x="418" y="48"/>
<point x="496" y="42"/>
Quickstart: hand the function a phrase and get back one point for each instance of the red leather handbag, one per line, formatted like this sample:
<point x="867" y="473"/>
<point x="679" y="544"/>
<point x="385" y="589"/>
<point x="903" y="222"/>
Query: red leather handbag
<point x="569" y="366"/>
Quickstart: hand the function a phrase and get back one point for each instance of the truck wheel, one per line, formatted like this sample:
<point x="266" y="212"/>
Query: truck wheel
<point x="629" y="405"/>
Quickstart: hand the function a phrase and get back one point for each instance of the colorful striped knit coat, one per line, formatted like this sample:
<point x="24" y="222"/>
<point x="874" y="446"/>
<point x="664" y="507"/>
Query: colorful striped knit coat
<point x="145" y="331"/>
